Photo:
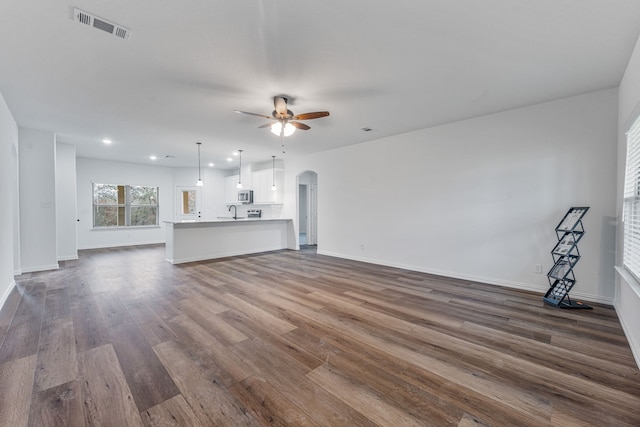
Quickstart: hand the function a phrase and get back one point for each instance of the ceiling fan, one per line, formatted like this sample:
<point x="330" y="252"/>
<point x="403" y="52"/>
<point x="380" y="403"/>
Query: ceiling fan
<point x="285" y="122"/>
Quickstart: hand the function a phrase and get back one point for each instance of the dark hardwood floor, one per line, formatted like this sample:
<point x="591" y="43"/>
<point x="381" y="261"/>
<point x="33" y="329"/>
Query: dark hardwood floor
<point x="123" y="338"/>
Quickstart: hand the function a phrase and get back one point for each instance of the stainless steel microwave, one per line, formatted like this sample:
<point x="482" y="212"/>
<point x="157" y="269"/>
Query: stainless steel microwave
<point x="245" y="196"/>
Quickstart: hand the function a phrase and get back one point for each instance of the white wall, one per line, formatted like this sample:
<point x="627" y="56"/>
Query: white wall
<point x="627" y="300"/>
<point x="106" y="172"/>
<point x="66" y="202"/>
<point x="38" y="247"/>
<point x="9" y="213"/>
<point x="477" y="199"/>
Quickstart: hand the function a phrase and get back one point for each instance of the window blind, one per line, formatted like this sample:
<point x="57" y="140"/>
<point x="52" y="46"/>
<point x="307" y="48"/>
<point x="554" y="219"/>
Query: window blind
<point x="631" y="204"/>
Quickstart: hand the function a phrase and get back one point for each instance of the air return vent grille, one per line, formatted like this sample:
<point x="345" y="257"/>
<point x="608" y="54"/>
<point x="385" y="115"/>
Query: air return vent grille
<point x="101" y="24"/>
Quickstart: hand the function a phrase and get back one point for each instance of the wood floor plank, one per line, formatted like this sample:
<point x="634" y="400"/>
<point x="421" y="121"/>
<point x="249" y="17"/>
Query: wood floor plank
<point x="354" y="370"/>
<point x="9" y="308"/>
<point x="57" y="357"/>
<point x="16" y="385"/>
<point x="209" y="401"/>
<point x="147" y="378"/>
<point x="56" y="304"/>
<point x="212" y="323"/>
<point x="268" y="405"/>
<point x="21" y="338"/>
<point x="174" y="412"/>
<point x="106" y="396"/>
<point x="259" y="317"/>
<point x="289" y="377"/>
<point x="210" y="352"/>
<point x="154" y="328"/>
<point x="88" y="325"/>
<point x="363" y="399"/>
<point x="58" y="406"/>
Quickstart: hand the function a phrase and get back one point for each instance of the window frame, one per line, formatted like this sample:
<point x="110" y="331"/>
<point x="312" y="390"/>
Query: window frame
<point x="631" y="203"/>
<point x="126" y="206"/>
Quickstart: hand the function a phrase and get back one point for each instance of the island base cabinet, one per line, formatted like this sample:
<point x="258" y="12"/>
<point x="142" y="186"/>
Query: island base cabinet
<point x="197" y="241"/>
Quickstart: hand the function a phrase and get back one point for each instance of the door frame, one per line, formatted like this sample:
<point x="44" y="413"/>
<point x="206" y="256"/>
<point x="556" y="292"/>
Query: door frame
<point x="179" y="215"/>
<point x="310" y="187"/>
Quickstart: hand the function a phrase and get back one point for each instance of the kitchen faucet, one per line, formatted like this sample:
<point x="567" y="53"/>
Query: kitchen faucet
<point x="235" y="211"/>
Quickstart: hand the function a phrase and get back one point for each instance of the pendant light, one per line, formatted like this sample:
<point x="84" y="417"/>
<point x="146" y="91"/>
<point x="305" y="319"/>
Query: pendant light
<point x="273" y="170"/>
<point x="240" y="171"/>
<point x="199" y="183"/>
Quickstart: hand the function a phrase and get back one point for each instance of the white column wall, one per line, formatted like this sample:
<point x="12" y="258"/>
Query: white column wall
<point x="9" y="214"/>
<point x="38" y="246"/>
<point x="66" y="202"/>
<point x="627" y="301"/>
<point x="477" y="199"/>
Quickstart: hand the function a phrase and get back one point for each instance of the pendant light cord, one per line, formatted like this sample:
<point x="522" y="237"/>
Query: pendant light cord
<point x="199" y="177"/>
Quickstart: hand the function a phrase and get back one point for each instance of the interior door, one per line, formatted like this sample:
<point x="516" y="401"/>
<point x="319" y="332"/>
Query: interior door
<point x="188" y="203"/>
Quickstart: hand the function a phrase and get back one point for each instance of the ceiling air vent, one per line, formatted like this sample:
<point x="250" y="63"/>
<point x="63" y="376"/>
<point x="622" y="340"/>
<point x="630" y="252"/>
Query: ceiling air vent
<point x="101" y="24"/>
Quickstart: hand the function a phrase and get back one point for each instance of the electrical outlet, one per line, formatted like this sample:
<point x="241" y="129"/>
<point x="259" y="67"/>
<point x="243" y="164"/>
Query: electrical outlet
<point x="538" y="269"/>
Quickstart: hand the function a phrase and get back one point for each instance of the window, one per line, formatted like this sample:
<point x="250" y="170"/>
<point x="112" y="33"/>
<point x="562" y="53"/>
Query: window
<point x="631" y="204"/>
<point x="124" y="205"/>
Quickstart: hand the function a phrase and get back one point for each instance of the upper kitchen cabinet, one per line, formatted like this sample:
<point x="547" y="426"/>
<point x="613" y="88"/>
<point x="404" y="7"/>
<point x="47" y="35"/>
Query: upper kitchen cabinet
<point x="231" y="190"/>
<point x="262" y="182"/>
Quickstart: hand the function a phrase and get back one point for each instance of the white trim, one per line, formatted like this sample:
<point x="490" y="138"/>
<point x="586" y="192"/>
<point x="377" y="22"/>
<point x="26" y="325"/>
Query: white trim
<point x="120" y="245"/>
<point x="628" y="327"/>
<point x="224" y="255"/>
<point x="6" y="294"/>
<point x="125" y="227"/>
<point x="633" y="283"/>
<point x="67" y="258"/>
<point x="41" y="268"/>
<point x="480" y="279"/>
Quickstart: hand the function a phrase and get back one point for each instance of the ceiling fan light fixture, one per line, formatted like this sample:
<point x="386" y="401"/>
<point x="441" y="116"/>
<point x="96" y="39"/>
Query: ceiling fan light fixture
<point x="276" y="129"/>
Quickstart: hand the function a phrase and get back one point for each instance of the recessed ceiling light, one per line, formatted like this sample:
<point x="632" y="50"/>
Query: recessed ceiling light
<point x="106" y="141"/>
<point x="229" y="159"/>
<point x="211" y="165"/>
<point x="152" y="157"/>
<point x="235" y="153"/>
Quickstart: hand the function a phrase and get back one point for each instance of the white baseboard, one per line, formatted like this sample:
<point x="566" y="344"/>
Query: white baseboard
<point x="40" y="268"/>
<point x="121" y="245"/>
<point x="67" y="258"/>
<point x="4" y="297"/>
<point x="223" y="255"/>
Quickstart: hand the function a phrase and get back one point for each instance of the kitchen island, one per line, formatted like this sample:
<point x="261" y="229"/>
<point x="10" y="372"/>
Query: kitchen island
<point x="188" y="241"/>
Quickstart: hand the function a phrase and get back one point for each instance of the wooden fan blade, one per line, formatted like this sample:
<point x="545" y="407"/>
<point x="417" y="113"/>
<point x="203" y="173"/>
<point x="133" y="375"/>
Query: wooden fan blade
<point x="280" y="105"/>
<point x="300" y="126"/>
<point x="253" y="114"/>
<point x="309" y="116"/>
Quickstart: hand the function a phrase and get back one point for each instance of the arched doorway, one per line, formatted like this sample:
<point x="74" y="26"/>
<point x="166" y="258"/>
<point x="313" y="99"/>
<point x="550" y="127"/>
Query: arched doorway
<point x="307" y="208"/>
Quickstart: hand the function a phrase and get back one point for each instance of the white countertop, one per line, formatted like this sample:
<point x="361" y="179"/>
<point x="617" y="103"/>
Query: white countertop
<point x="226" y="220"/>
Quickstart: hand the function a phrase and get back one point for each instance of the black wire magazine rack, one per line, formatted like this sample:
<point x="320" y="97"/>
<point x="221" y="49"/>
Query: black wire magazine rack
<point x="565" y="256"/>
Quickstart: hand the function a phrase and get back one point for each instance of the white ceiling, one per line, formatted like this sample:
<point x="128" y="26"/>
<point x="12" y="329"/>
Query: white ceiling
<point x="392" y="66"/>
